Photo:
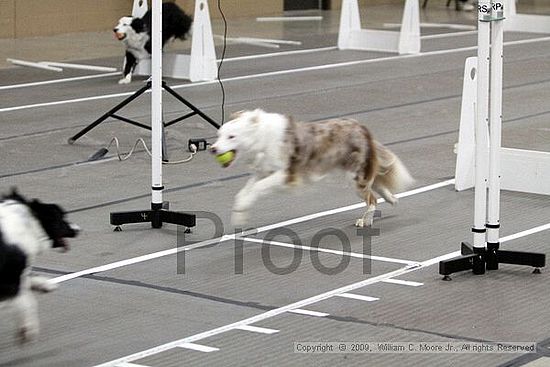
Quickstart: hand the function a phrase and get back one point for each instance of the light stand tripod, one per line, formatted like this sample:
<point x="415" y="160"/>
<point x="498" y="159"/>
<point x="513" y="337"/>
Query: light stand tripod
<point x="159" y="213"/>
<point x="113" y="112"/>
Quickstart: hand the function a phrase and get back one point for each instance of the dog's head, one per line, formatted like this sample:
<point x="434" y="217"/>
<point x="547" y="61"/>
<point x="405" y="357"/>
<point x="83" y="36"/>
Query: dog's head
<point x="127" y="27"/>
<point x="237" y="135"/>
<point x="51" y="218"/>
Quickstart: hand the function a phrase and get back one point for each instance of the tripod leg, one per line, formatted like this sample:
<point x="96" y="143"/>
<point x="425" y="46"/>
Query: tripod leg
<point x="188" y="104"/>
<point x="109" y="113"/>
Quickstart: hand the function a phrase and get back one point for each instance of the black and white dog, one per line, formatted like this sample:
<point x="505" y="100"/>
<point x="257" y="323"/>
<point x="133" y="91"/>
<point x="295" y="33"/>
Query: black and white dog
<point x="28" y="228"/>
<point x="135" y="33"/>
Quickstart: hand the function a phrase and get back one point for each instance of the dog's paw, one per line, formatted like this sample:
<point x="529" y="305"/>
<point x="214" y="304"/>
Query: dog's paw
<point x="27" y="333"/>
<point x="239" y="218"/>
<point x="361" y="223"/>
<point x="393" y="200"/>
<point x="126" y="80"/>
<point x="41" y="284"/>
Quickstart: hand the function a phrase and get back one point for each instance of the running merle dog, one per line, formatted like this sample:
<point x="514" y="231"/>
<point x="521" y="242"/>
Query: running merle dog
<point x="28" y="228"/>
<point x="135" y="33"/>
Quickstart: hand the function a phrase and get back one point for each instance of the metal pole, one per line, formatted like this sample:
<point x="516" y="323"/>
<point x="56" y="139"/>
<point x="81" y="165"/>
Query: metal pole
<point x="495" y="130"/>
<point x="482" y="120"/>
<point x="156" y="105"/>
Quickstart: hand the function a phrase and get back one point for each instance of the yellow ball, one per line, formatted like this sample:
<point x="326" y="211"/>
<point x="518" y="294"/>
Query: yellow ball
<point x="225" y="158"/>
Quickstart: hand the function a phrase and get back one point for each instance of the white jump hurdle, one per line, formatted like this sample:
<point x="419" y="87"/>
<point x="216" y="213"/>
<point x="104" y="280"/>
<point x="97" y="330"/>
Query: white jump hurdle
<point x="524" y="22"/>
<point x="352" y="37"/>
<point x="521" y="170"/>
<point x="482" y="162"/>
<point x="201" y="64"/>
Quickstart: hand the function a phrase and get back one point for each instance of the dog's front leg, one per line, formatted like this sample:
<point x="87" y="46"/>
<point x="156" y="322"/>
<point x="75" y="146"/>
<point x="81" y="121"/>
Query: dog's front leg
<point x="252" y="192"/>
<point x="42" y="284"/>
<point x="27" y="315"/>
<point x="239" y="218"/>
<point x="130" y="63"/>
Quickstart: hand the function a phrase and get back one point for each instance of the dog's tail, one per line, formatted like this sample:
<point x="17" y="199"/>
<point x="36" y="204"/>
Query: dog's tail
<point x="175" y="21"/>
<point x="392" y="173"/>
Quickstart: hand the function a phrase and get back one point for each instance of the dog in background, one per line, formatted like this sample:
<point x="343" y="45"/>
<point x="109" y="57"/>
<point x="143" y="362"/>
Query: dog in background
<point x="135" y="34"/>
<point x="287" y="153"/>
<point x="28" y="228"/>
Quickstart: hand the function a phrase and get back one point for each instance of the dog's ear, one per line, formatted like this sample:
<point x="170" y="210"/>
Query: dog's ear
<point x="14" y="195"/>
<point x="237" y="114"/>
<point x="138" y="25"/>
<point x="256" y="118"/>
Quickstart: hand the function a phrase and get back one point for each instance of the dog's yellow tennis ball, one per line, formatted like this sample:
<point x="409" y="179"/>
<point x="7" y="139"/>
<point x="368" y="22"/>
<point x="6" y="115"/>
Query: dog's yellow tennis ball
<point x="225" y="158"/>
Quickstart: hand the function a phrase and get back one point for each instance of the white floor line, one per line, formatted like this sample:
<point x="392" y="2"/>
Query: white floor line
<point x="358" y="297"/>
<point x="302" y="303"/>
<point x="463" y="27"/>
<point x="256" y="329"/>
<point x="289" y="19"/>
<point x="403" y="282"/>
<point x="301" y="311"/>
<point x="528" y="232"/>
<point x="198" y="347"/>
<point x="238" y="58"/>
<point x="56" y="81"/>
<point x="305" y="218"/>
<point x="278" y="311"/>
<point x="330" y="251"/>
<point x="130" y="365"/>
<point x="283" y="53"/>
<point x="270" y="74"/>
<point x="447" y="35"/>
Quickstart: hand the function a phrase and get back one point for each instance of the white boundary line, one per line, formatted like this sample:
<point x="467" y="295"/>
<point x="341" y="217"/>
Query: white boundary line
<point x="283" y="53"/>
<point x="289" y="19"/>
<point x="172" y="251"/>
<point x="56" y="81"/>
<point x="256" y="329"/>
<point x="278" y="311"/>
<point x="303" y="303"/>
<point x="403" y="282"/>
<point x="525" y="233"/>
<point x="301" y="311"/>
<point x="330" y="251"/>
<point x="308" y="301"/>
<point x="238" y="58"/>
<point x="358" y="297"/>
<point x="446" y="35"/>
<point x="463" y="27"/>
<point x="198" y="347"/>
<point x="273" y="73"/>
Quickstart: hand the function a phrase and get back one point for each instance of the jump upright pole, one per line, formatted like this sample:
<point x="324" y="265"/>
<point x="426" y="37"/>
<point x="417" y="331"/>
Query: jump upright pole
<point x="156" y="105"/>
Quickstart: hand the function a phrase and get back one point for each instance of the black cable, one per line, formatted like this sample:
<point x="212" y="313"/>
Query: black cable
<point x="221" y="60"/>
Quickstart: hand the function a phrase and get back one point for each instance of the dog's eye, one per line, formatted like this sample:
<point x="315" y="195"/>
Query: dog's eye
<point x="231" y="137"/>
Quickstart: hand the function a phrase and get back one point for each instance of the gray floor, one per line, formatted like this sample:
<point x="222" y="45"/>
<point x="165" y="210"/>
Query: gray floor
<point x="410" y="103"/>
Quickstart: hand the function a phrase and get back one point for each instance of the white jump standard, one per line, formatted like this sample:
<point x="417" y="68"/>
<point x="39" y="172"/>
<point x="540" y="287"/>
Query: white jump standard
<point x="352" y="37"/>
<point x="485" y="253"/>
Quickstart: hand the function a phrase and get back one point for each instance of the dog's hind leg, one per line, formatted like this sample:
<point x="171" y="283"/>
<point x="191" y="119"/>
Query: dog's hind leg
<point x="367" y="218"/>
<point x="365" y="191"/>
<point x="27" y="315"/>
<point x="385" y="193"/>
